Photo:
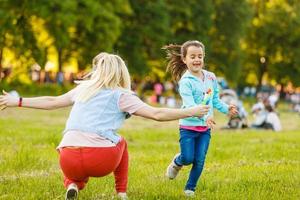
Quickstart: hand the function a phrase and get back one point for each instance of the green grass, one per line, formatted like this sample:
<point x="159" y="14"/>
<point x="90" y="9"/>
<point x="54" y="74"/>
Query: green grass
<point x="243" y="164"/>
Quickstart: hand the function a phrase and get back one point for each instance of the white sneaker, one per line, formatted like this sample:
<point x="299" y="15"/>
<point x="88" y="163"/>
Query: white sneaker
<point x="189" y="193"/>
<point x="122" y="195"/>
<point x="173" y="169"/>
<point x="72" y="192"/>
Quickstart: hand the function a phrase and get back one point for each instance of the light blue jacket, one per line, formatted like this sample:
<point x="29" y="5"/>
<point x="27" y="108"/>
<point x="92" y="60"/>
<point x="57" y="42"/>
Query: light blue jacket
<point x="100" y="114"/>
<point x="192" y="91"/>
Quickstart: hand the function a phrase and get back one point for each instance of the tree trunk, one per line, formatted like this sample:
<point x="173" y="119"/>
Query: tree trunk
<point x="59" y="74"/>
<point x="59" y="59"/>
<point x="282" y="92"/>
<point x="1" y="56"/>
<point x="261" y="72"/>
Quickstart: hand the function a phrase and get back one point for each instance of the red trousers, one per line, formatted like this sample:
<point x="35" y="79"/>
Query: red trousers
<point x="78" y="164"/>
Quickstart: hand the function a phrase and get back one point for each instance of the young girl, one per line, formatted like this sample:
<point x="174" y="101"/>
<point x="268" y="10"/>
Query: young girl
<point x="196" y="86"/>
<point x="100" y="105"/>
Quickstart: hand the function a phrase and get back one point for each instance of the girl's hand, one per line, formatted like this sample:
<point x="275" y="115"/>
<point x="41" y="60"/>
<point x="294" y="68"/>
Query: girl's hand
<point x="7" y="100"/>
<point x="200" y="110"/>
<point x="233" y="110"/>
<point x="210" y="122"/>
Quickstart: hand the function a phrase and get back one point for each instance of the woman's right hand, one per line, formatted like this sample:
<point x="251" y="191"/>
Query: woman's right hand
<point x="8" y="100"/>
<point x="200" y="110"/>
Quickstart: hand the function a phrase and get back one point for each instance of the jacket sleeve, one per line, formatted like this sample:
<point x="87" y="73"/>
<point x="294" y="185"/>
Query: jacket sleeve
<point x="217" y="103"/>
<point x="186" y="93"/>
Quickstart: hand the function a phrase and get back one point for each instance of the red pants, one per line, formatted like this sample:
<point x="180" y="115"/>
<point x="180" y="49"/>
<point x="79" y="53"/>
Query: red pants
<point x="78" y="164"/>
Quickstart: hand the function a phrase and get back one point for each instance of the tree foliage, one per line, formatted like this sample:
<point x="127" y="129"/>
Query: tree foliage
<point x="238" y="35"/>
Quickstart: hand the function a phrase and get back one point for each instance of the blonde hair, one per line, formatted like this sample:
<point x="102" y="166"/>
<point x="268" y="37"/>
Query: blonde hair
<point x="109" y="72"/>
<point x="176" y="54"/>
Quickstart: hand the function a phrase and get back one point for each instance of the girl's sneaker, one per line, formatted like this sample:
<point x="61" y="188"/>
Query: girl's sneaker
<point x="72" y="192"/>
<point x="122" y="196"/>
<point x="173" y="169"/>
<point x="189" y="193"/>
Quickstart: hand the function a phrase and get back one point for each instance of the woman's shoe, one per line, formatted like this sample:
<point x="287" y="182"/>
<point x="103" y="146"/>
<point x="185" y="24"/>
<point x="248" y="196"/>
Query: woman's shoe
<point x="72" y="192"/>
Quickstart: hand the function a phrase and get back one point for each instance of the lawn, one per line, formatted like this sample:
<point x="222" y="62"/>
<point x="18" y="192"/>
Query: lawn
<point x="241" y="164"/>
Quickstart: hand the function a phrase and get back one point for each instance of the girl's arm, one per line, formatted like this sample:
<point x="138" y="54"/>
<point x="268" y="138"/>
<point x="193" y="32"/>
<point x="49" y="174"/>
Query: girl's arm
<point x="168" y="114"/>
<point x="44" y="102"/>
<point x="217" y="103"/>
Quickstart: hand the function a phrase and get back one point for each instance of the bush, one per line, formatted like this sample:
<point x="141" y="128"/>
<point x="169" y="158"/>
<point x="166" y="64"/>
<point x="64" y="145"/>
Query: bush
<point x="35" y="89"/>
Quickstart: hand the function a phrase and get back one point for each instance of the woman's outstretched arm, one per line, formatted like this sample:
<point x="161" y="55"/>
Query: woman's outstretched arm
<point x="43" y="102"/>
<point x="168" y="114"/>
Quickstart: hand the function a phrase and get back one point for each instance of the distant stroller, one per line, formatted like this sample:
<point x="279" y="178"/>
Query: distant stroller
<point x="229" y="96"/>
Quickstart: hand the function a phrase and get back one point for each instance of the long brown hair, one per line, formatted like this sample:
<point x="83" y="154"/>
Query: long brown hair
<point x="175" y="55"/>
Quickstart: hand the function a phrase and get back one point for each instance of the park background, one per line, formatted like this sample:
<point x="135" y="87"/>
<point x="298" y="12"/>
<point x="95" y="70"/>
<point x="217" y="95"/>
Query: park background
<point x="45" y="45"/>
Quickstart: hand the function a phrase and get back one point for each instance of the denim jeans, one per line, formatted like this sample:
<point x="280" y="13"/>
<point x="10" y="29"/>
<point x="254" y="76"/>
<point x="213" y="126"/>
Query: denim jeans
<point x="193" y="147"/>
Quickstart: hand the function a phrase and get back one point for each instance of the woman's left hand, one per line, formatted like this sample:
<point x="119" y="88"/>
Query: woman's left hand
<point x="8" y="100"/>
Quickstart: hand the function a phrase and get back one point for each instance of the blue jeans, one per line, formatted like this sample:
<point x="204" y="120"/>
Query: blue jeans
<point x="193" y="147"/>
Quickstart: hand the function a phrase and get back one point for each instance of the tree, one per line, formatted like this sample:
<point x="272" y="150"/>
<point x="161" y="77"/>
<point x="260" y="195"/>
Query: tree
<point x="16" y="31"/>
<point x="144" y="32"/>
<point x="99" y="30"/>
<point x="60" y="19"/>
<point x="273" y="42"/>
<point x="6" y="24"/>
<point x="230" y="22"/>
<point x="190" y="20"/>
<point x="284" y="59"/>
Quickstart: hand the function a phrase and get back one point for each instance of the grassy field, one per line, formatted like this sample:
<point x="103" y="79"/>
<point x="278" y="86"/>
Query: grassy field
<point x="243" y="164"/>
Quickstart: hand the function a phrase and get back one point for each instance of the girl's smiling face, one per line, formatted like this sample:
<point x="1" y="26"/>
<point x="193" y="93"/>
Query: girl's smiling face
<point x="194" y="59"/>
